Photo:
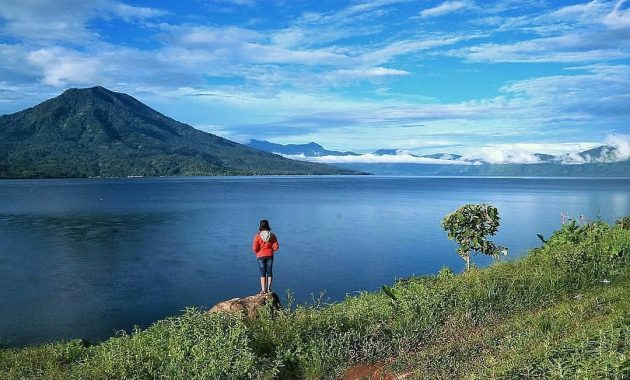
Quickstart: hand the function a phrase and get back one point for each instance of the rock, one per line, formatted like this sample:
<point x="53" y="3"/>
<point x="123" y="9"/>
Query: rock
<point x="248" y="306"/>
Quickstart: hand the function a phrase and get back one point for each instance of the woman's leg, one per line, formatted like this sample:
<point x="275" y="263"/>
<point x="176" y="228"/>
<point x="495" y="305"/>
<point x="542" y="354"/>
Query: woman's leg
<point x="269" y="273"/>
<point x="262" y="266"/>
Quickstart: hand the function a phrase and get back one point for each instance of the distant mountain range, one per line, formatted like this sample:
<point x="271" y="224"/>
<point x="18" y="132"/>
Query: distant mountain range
<point x="600" y="161"/>
<point x="308" y="150"/>
<point x="434" y="156"/>
<point x="313" y="149"/>
<point x="95" y="132"/>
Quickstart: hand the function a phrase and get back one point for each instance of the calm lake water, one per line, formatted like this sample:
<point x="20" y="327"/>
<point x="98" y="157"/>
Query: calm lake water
<point x="84" y="258"/>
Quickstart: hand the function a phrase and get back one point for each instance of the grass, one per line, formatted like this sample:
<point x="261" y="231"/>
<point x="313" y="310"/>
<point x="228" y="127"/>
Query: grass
<point x="560" y="312"/>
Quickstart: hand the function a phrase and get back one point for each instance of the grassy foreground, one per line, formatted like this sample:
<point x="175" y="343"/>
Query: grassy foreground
<point x="563" y="311"/>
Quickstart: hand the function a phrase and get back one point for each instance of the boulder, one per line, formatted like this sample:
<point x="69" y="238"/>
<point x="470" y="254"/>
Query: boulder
<point x="248" y="306"/>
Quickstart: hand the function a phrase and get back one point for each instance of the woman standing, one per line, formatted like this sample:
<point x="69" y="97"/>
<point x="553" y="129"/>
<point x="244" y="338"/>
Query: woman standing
<point x="264" y="246"/>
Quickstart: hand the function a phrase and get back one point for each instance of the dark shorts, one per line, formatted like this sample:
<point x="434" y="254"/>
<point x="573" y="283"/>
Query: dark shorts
<point x="265" y="264"/>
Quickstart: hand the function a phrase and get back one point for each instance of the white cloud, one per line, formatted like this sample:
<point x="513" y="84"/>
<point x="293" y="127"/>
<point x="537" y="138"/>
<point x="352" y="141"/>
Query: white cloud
<point x="599" y="95"/>
<point x="518" y="153"/>
<point x="621" y="142"/>
<point x="576" y="47"/>
<point x="129" y="12"/>
<point x="587" y="32"/>
<point x="501" y="156"/>
<point x="386" y="53"/>
<point x="446" y="8"/>
<point x="238" y="47"/>
<point x="618" y="18"/>
<point x="371" y="72"/>
<point x="61" y="67"/>
<point x="209" y="37"/>
<point x="399" y="158"/>
<point x="44" y="20"/>
<point x="246" y="3"/>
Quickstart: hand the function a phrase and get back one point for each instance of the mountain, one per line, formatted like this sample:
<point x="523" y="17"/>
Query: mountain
<point x="603" y="161"/>
<point x="386" y="152"/>
<point x="95" y="132"/>
<point x="443" y="156"/>
<point x="308" y="150"/>
<point x="545" y="157"/>
<point x="602" y="153"/>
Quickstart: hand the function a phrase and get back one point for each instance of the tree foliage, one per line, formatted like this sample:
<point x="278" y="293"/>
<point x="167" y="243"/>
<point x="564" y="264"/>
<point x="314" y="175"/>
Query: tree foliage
<point x="469" y="226"/>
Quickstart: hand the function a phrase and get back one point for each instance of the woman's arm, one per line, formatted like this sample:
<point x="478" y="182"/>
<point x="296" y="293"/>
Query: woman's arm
<point x="256" y="244"/>
<point x="275" y="245"/>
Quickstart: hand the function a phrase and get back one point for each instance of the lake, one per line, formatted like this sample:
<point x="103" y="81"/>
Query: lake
<point x="84" y="258"/>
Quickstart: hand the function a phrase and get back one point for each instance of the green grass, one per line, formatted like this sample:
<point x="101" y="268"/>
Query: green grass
<point x="550" y="314"/>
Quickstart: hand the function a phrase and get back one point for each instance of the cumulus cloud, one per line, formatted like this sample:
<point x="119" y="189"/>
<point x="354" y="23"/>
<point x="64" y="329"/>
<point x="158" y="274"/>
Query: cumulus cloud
<point x="614" y="148"/>
<point x="60" y="66"/>
<point x="621" y="143"/>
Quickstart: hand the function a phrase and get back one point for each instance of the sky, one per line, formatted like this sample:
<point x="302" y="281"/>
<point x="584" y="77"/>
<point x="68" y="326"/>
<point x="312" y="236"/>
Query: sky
<point x="494" y="79"/>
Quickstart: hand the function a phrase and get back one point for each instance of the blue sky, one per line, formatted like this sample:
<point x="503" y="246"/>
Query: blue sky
<point x="495" y="79"/>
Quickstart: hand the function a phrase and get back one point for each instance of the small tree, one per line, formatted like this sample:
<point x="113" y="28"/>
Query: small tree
<point x="469" y="226"/>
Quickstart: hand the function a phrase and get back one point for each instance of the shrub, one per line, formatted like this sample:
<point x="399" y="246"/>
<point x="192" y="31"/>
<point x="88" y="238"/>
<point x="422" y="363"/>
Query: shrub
<point x="469" y="226"/>
<point x="196" y="345"/>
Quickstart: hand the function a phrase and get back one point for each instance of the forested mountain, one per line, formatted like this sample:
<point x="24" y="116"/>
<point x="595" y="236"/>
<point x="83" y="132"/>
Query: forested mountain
<point x="94" y="132"/>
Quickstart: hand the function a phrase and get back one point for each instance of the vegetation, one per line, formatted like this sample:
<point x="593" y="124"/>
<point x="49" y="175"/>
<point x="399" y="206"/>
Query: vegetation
<point x="95" y="132"/>
<point x="469" y="226"/>
<point x="611" y="169"/>
<point x="560" y="312"/>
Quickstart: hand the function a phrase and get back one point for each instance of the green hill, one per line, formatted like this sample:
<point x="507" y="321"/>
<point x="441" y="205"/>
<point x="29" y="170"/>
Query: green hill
<point x="95" y="132"/>
<point x="561" y="312"/>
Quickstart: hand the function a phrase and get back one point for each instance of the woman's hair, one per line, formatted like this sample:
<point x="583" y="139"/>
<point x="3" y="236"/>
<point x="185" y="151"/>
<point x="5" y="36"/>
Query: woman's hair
<point x="264" y="225"/>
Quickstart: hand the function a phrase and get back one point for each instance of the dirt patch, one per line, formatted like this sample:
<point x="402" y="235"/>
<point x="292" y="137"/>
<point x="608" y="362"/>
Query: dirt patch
<point x="372" y="372"/>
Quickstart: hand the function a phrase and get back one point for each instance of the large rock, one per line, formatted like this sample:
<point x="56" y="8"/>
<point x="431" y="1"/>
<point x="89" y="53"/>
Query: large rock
<point x="248" y="306"/>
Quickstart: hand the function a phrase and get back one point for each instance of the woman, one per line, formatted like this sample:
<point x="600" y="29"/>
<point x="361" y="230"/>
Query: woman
<point x="264" y="246"/>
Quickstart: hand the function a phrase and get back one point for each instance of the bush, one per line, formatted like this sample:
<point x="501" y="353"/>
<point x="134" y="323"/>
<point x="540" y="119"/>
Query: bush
<point x="469" y="226"/>
<point x="196" y="345"/>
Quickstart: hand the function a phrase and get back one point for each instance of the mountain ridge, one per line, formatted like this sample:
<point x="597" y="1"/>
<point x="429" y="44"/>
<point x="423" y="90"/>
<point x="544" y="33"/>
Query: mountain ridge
<point x="601" y="154"/>
<point x="590" y="163"/>
<point x="95" y="132"/>
<point x="310" y="149"/>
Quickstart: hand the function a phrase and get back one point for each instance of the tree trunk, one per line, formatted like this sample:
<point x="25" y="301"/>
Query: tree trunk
<point x="468" y="262"/>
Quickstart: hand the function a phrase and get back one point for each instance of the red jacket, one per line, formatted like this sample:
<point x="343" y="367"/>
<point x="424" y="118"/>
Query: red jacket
<point x="265" y="248"/>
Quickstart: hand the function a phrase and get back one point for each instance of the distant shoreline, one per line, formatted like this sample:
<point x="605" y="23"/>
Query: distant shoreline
<point x="322" y="176"/>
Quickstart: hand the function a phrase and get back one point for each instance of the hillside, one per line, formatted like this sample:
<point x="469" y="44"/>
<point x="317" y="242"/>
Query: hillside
<point x="612" y="169"/>
<point x="95" y="132"/>
<point x="562" y="311"/>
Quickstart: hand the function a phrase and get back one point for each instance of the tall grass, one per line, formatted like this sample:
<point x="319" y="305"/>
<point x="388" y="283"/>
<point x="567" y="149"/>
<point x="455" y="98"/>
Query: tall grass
<point x="477" y="324"/>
